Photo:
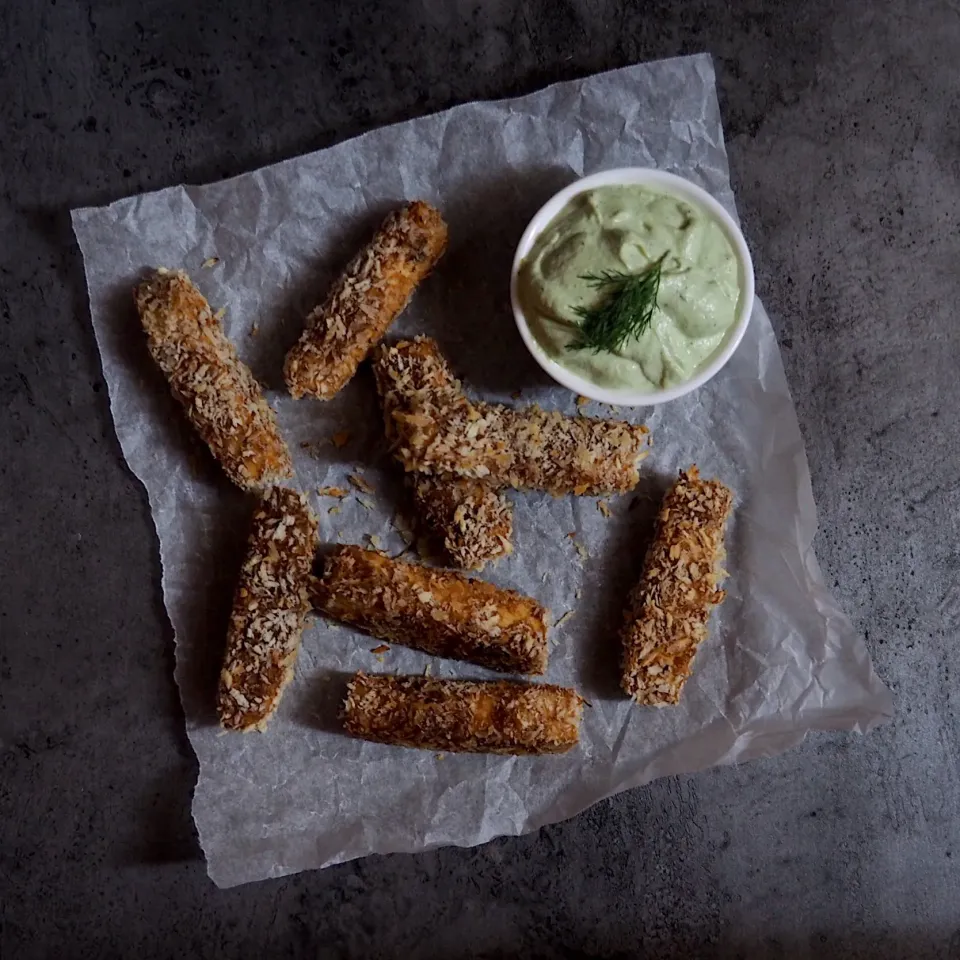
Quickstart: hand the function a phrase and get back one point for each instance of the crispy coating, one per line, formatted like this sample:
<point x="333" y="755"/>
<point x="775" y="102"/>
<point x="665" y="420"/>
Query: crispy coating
<point x="410" y="373"/>
<point x="270" y="607"/>
<point x="473" y="522"/>
<point x="669" y="609"/>
<point x="438" y="611"/>
<point x="368" y="296"/>
<point x="463" y="716"/>
<point x="218" y="392"/>
<point x="445" y="433"/>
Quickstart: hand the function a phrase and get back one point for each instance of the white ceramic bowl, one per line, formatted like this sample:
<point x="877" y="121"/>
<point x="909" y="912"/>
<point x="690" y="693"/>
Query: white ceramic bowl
<point x="669" y="183"/>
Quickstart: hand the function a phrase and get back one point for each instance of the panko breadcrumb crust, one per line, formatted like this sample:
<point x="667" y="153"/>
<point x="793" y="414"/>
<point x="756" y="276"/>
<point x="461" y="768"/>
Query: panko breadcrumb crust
<point x="368" y="296"/>
<point x="445" y="433"/>
<point x="270" y="607"/>
<point x="219" y="394"/>
<point x="667" y="617"/>
<point x="463" y="716"/>
<point x="473" y="520"/>
<point x="440" y="612"/>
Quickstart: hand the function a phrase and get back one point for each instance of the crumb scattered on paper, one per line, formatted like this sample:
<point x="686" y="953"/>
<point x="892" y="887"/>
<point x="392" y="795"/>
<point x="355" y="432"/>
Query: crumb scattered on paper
<point x="356" y="480"/>
<point x="383" y="648"/>
<point x="339" y="492"/>
<point x="210" y="262"/>
<point x="341" y="438"/>
<point x="567" y="616"/>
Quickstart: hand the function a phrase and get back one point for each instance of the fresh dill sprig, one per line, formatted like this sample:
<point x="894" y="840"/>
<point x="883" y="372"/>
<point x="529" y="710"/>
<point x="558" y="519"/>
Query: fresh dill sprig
<point x="625" y="311"/>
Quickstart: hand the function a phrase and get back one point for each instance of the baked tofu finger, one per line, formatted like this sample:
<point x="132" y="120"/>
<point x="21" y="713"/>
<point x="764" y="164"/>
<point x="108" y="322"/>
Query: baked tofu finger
<point x="368" y="296"/>
<point x="463" y="716"/>
<point x="447" y="434"/>
<point x="270" y="607"/>
<point x="437" y="611"/>
<point x="472" y="521"/>
<point x="408" y="373"/>
<point x="219" y="394"/>
<point x="669" y="609"/>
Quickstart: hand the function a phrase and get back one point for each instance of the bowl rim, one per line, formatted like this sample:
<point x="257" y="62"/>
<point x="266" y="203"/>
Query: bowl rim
<point x="672" y="183"/>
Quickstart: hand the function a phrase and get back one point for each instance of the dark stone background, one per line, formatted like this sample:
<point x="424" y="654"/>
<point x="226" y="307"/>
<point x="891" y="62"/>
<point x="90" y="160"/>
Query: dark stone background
<point x="844" y="134"/>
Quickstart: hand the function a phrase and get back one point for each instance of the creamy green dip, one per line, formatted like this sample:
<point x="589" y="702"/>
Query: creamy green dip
<point x="626" y="228"/>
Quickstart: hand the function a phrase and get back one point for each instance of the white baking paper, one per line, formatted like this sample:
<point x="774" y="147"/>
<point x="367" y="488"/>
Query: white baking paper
<point x="782" y="659"/>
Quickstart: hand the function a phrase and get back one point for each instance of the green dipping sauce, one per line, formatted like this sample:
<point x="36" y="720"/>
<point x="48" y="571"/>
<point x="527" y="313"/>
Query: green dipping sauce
<point x="626" y="228"/>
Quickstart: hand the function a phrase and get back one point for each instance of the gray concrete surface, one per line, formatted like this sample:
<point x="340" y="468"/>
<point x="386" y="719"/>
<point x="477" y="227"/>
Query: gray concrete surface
<point x="844" y="136"/>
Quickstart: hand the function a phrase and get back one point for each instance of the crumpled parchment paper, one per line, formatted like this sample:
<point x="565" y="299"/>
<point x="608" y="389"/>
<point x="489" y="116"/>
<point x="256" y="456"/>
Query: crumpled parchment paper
<point x="782" y="659"/>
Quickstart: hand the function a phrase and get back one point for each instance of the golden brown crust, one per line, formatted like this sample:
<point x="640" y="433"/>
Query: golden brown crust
<point x="270" y="607"/>
<point x="218" y="392"/>
<point x="438" y="611"/>
<point x="444" y="433"/>
<point x="473" y="522"/>
<point x="369" y="295"/>
<point x="462" y="716"/>
<point x="669" y="609"/>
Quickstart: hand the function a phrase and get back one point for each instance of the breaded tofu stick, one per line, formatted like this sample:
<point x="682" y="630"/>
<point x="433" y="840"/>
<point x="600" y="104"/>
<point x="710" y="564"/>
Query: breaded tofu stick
<point x="369" y="295"/>
<point x="270" y="607"/>
<point x="438" y="611"/>
<point x="526" y="449"/>
<point x="409" y="373"/>
<point x="218" y="392"/>
<point x="669" y="609"/>
<point x="463" y="716"/>
<point x="473" y="522"/>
